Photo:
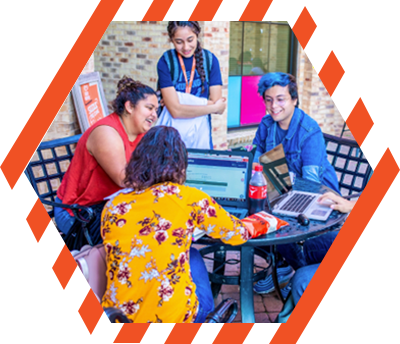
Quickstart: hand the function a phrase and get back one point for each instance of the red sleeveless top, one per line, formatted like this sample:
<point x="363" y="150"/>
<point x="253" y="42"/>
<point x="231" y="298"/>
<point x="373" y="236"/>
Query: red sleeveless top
<point x="85" y="182"/>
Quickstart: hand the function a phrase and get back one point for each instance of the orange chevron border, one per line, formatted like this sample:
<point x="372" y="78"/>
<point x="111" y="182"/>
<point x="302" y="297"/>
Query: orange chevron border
<point x="205" y="10"/>
<point x="331" y="74"/>
<point x="379" y="184"/>
<point x="35" y="129"/>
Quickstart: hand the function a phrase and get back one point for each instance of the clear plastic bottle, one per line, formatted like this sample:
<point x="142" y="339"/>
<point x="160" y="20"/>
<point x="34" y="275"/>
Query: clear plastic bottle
<point x="257" y="191"/>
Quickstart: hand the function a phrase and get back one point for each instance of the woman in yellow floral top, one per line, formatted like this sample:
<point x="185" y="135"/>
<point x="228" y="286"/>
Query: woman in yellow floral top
<point x="153" y="273"/>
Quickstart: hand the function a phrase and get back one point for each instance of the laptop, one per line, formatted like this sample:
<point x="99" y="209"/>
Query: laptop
<point x="292" y="202"/>
<point x="223" y="175"/>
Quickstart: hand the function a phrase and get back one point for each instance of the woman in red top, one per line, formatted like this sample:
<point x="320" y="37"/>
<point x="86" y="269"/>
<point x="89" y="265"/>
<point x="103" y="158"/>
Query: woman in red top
<point x="98" y="167"/>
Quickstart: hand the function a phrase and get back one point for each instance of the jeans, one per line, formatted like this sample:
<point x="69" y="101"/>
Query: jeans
<point x="202" y="282"/>
<point x="63" y="219"/>
<point x="314" y="251"/>
<point x="293" y="254"/>
<point x="301" y="279"/>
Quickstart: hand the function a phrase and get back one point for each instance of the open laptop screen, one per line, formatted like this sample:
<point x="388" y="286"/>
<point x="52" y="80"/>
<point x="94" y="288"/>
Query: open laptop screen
<point x="222" y="176"/>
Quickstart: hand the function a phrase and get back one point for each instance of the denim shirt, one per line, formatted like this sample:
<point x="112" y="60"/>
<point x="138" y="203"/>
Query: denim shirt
<point x="304" y="147"/>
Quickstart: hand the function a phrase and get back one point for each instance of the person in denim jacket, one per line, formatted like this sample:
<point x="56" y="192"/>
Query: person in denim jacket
<point x="299" y="134"/>
<point x="305" y="153"/>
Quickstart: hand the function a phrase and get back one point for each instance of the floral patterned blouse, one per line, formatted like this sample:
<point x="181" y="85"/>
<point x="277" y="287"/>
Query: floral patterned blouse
<point x="147" y="236"/>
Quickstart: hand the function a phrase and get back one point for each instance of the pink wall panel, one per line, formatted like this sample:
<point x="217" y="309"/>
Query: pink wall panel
<point x="252" y="107"/>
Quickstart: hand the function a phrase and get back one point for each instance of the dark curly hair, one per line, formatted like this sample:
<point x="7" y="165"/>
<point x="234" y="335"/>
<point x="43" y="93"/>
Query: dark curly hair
<point x="160" y="156"/>
<point x="198" y="54"/>
<point x="129" y="89"/>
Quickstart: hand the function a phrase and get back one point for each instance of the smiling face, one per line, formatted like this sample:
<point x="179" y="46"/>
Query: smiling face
<point x="144" y="114"/>
<point x="280" y="105"/>
<point x="185" y="41"/>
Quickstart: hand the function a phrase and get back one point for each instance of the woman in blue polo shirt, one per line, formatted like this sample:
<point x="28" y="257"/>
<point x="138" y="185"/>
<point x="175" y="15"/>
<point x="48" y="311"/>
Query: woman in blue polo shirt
<point x="189" y="78"/>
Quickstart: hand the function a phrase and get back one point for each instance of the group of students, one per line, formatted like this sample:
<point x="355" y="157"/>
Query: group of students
<point x="132" y="174"/>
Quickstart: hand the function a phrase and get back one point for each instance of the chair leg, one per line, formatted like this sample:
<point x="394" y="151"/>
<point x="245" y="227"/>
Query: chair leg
<point x="275" y="275"/>
<point x="218" y="268"/>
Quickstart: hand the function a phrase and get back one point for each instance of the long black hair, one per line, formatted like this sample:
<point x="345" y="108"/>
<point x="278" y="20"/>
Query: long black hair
<point x="198" y="54"/>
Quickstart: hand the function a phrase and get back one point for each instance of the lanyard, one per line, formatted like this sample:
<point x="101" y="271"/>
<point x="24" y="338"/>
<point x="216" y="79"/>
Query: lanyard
<point x="188" y="84"/>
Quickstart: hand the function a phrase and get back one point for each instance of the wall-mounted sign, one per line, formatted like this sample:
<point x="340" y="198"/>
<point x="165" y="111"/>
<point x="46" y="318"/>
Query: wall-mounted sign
<point x="90" y="102"/>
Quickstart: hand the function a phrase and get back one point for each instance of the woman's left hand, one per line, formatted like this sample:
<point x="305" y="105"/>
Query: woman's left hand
<point x="221" y="104"/>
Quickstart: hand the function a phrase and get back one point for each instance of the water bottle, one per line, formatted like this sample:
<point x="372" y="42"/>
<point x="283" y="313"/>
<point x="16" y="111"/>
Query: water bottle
<point x="257" y="191"/>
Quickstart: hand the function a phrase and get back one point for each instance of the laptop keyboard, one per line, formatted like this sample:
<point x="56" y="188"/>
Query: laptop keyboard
<point x="298" y="203"/>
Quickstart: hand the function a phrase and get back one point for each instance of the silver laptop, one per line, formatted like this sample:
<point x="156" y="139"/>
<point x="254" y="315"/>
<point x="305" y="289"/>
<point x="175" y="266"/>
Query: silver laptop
<point x="223" y="175"/>
<point x="292" y="202"/>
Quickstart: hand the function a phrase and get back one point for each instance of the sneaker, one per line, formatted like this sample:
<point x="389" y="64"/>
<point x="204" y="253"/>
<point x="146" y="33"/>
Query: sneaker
<point x="266" y="285"/>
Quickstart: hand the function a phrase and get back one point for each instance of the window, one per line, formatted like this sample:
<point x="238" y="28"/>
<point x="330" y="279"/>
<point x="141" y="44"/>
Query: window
<point x="256" y="48"/>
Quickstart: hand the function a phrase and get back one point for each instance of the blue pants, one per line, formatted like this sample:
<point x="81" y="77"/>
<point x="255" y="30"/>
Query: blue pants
<point x="314" y="251"/>
<point x="202" y="282"/>
<point x="63" y="219"/>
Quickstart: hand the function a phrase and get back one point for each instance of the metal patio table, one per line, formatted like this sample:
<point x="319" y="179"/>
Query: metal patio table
<point x="288" y="234"/>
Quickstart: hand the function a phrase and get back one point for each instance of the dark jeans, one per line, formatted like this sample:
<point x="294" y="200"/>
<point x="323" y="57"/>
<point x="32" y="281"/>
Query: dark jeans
<point x="314" y="252"/>
<point x="202" y="282"/>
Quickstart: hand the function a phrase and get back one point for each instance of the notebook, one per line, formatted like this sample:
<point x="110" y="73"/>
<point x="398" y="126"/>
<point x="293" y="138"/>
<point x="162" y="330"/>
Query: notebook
<point x="223" y="175"/>
<point x="292" y="202"/>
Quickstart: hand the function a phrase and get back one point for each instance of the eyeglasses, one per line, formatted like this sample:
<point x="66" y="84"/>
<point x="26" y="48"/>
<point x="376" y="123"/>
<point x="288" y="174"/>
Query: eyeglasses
<point x="279" y="101"/>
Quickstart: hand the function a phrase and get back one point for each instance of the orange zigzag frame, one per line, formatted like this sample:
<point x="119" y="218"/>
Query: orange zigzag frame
<point x="38" y="220"/>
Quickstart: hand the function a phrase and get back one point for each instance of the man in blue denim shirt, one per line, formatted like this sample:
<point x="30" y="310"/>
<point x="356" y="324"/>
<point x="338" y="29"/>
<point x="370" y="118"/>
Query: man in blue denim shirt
<point x="299" y="134"/>
<point x="304" y="148"/>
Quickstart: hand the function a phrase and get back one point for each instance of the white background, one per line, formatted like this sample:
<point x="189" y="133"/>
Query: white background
<point x="362" y="303"/>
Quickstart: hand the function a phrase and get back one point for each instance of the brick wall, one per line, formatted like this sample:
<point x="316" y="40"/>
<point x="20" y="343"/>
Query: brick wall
<point x="66" y="123"/>
<point x="314" y="98"/>
<point x="134" y="48"/>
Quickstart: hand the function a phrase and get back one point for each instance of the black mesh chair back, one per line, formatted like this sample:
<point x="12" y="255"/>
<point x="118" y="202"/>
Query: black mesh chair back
<point x="351" y="166"/>
<point x="279" y="180"/>
<point x="345" y="131"/>
<point x="48" y="166"/>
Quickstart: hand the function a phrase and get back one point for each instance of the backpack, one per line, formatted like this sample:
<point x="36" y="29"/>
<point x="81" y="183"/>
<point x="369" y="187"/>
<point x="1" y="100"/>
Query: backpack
<point x="173" y="65"/>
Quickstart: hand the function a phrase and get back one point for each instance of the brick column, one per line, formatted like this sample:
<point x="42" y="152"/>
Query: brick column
<point x="215" y="37"/>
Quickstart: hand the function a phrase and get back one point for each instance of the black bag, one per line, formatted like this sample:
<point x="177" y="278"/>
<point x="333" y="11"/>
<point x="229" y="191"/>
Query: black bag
<point x="77" y="237"/>
<point x="81" y="233"/>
